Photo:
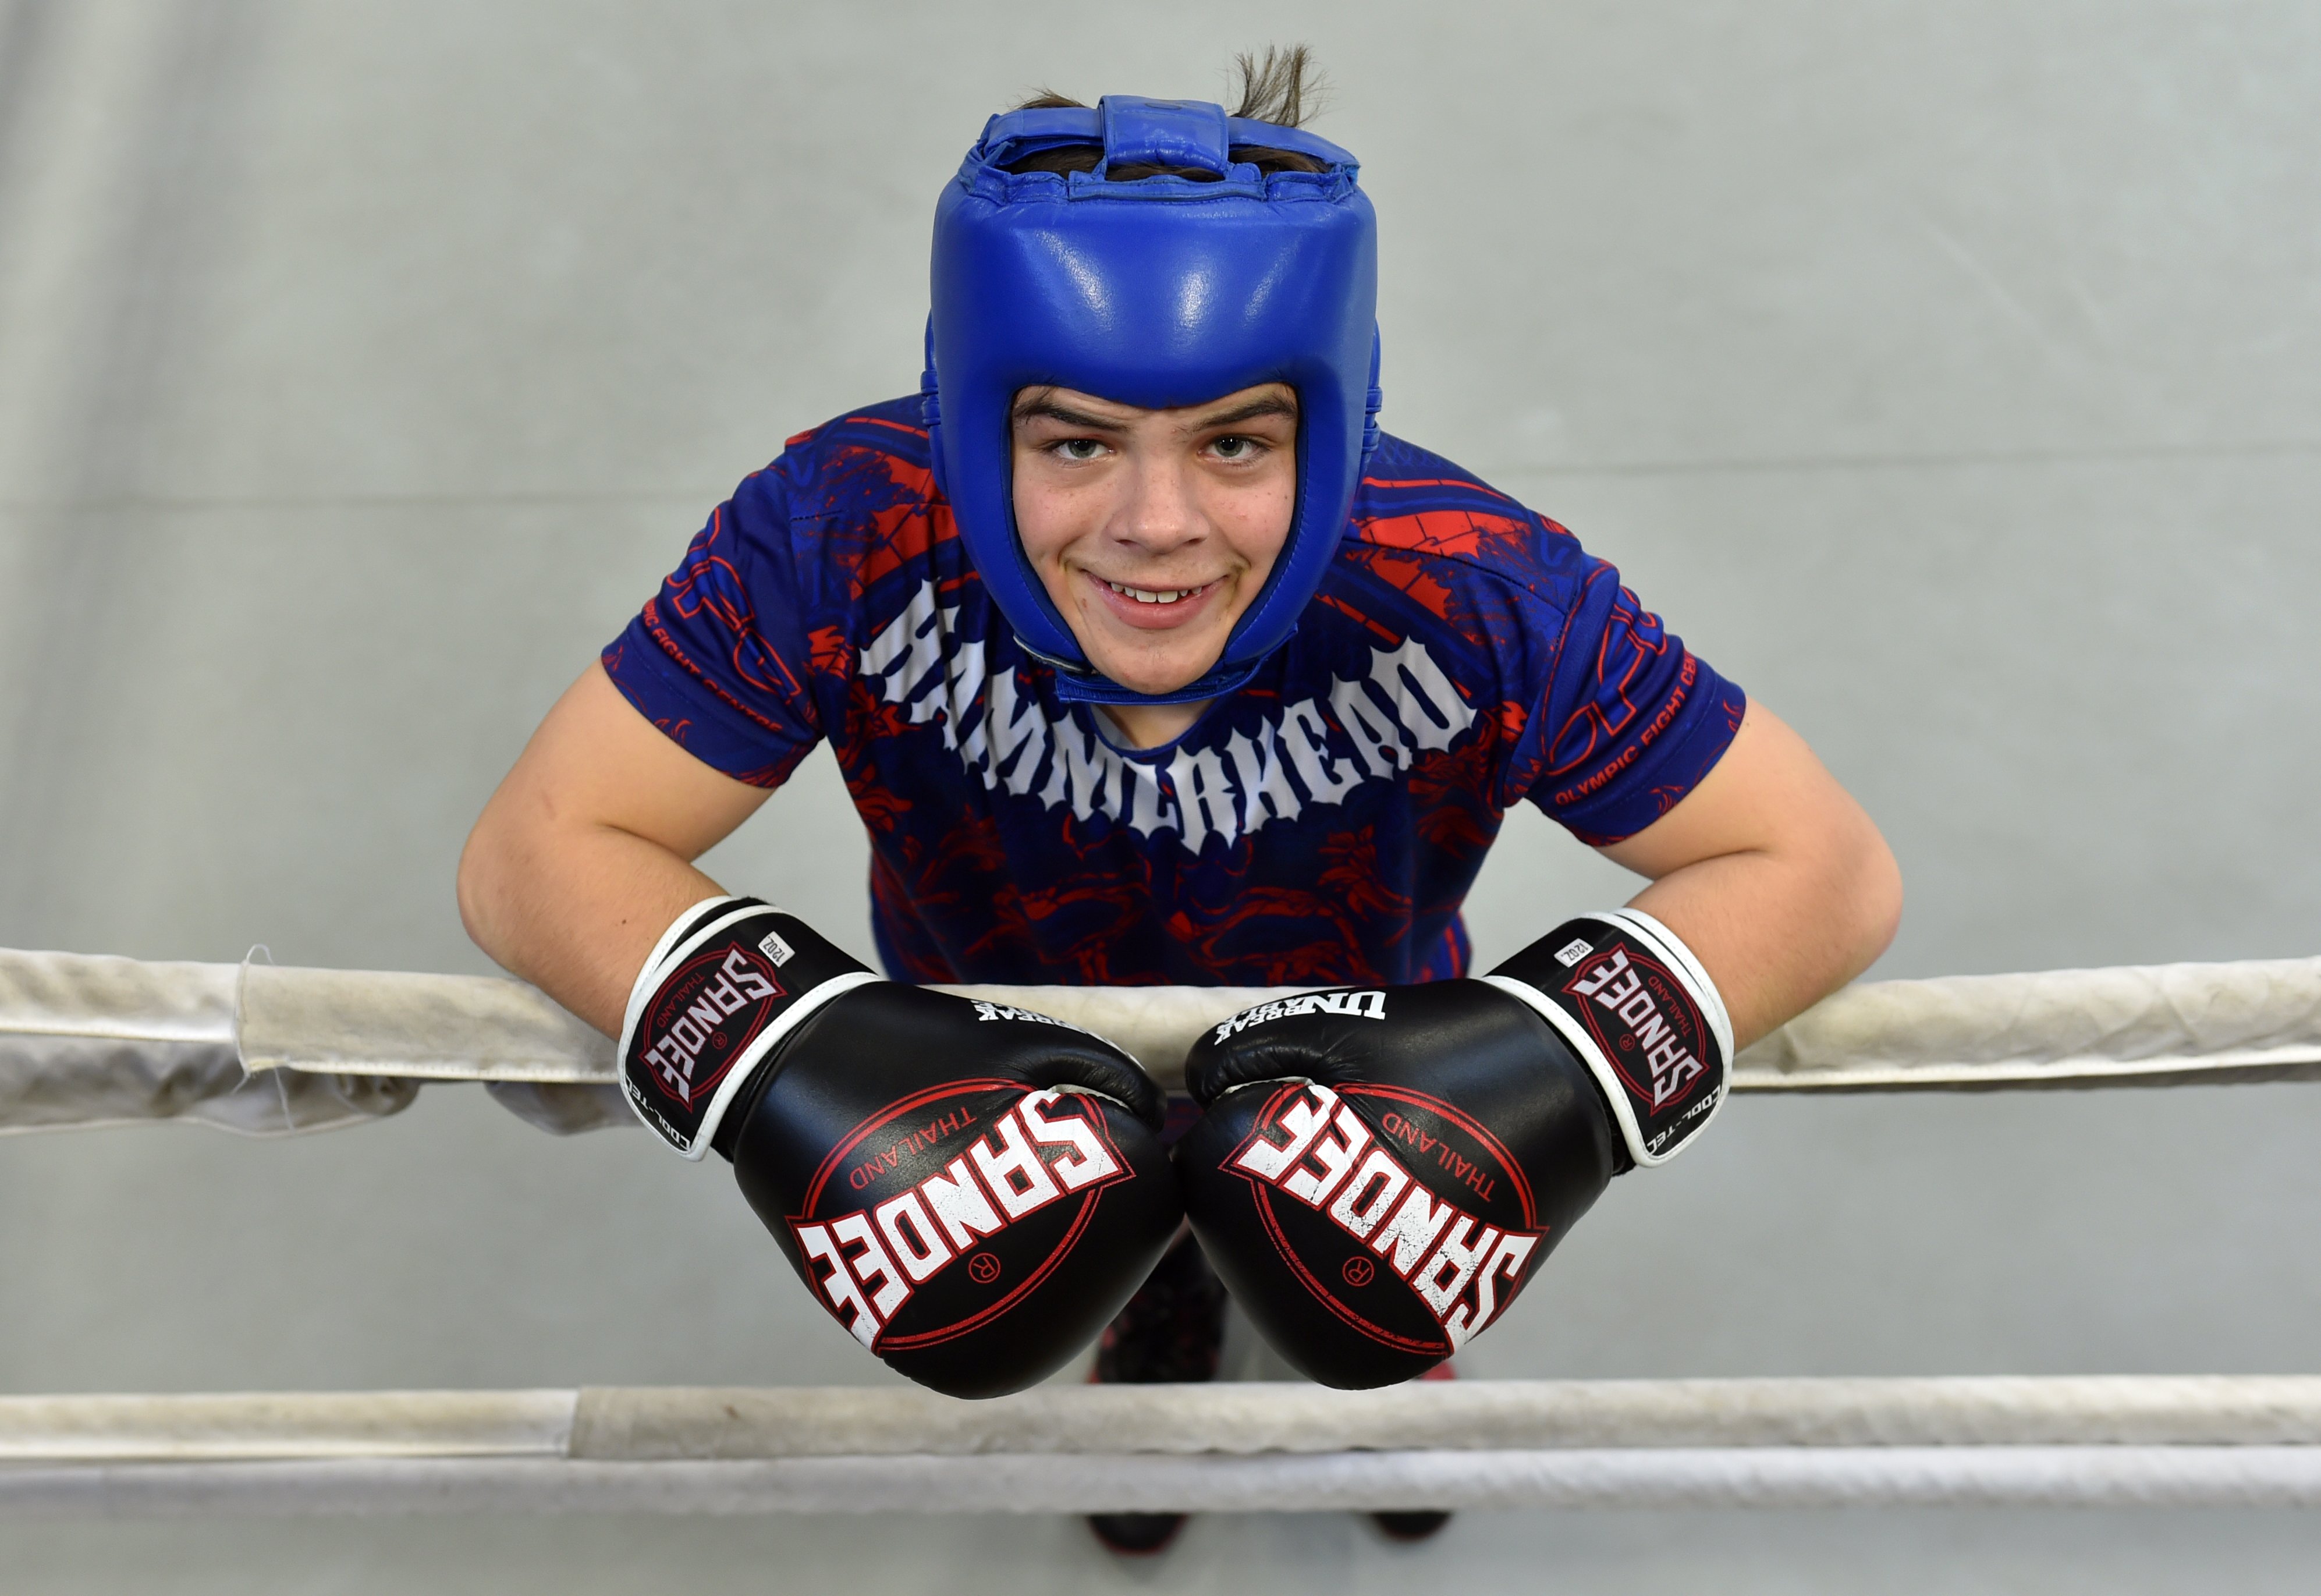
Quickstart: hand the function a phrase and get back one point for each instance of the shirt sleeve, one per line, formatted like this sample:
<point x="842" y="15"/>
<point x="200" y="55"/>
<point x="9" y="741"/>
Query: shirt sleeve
<point x="718" y="659"/>
<point x="1631" y="719"/>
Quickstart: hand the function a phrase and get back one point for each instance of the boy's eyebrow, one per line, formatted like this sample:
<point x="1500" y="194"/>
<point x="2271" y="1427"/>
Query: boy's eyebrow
<point x="1269" y="405"/>
<point x="1032" y="409"/>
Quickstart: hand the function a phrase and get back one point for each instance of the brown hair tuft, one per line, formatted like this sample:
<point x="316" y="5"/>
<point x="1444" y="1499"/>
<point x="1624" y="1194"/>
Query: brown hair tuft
<point x="1282" y="87"/>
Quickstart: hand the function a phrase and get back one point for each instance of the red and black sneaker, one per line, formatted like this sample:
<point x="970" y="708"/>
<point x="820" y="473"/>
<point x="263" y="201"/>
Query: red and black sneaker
<point x="1172" y="1332"/>
<point x="1416" y="1523"/>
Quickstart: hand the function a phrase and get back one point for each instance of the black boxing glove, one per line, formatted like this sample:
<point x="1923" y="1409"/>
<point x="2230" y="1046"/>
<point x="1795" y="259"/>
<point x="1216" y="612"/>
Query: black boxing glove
<point x="971" y="1190"/>
<point x="1378" y="1174"/>
<point x="1641" y="1014"/>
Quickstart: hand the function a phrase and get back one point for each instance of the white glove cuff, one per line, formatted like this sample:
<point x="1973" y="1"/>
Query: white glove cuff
<point x="1638" y="1009"/>
<point x="725" y="983"/>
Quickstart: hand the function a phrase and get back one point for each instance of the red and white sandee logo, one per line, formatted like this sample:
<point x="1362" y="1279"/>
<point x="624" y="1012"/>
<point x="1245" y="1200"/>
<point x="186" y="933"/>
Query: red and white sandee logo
<point x="689" y="1014"/>
<point x="1331" y="1162"/>
<point x="1625" y="987"/>
<point x="876" y="1258"/>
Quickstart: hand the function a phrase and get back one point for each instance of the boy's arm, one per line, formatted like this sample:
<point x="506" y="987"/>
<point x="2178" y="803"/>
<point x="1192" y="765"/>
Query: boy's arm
<point x="1771" y="874"/>
<point x="584" y="856"/>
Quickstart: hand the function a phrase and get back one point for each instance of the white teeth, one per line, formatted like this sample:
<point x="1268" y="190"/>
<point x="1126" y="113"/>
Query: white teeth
<point x="1154" y="595"/>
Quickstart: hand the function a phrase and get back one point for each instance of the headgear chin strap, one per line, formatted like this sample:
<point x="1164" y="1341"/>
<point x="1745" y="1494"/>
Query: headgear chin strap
<point x="1161" y="292"/>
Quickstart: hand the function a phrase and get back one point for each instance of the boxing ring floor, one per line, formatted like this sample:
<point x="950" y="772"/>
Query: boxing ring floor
<point x="283" y="1052"/>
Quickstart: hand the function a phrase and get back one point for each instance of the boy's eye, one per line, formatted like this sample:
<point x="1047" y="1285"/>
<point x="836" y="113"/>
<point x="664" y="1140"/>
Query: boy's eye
<point x="1078" y="449"/>
<point x="1234" y="448"/>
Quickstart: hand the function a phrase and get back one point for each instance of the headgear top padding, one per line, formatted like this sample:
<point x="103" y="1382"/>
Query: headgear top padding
<point x="1160" y="292"/>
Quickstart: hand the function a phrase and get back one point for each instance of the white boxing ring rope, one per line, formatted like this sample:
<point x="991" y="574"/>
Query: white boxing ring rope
<point x="90" y="1040"/>
<point x="2099" y="1442"/>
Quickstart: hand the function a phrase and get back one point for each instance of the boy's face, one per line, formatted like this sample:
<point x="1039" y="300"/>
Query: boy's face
<point x="1153" y="530"/>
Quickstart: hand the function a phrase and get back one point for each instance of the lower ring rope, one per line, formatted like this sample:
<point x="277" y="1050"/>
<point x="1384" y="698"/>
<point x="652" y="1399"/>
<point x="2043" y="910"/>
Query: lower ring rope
<point x="2205" y="1441"/>
<point x="1685" y="1478"/>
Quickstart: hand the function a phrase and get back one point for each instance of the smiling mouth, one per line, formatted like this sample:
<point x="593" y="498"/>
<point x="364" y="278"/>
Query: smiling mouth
<point x="1157" y="595"/>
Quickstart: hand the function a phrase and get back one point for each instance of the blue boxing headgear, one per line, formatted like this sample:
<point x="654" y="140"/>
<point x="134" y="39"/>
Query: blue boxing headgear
<point x="1159" y="292"/>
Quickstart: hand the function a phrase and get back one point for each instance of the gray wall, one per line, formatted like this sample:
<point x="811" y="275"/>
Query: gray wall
<point x="1950" y="374"/>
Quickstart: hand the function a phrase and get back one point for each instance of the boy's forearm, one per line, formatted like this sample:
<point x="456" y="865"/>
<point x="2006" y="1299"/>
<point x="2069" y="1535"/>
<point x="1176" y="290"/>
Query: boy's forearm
<point x="573" y="909"/>
<point x="1777" y="934"/>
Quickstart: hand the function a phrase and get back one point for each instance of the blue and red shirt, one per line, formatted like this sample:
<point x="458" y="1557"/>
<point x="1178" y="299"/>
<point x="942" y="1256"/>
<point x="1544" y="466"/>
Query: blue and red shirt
<point x="1320" y="825"/>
